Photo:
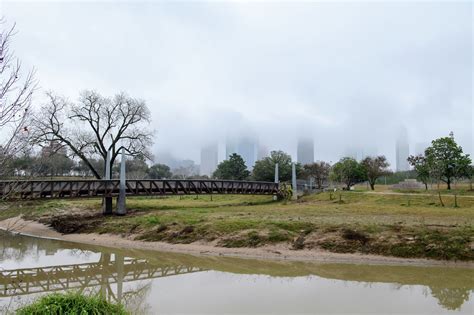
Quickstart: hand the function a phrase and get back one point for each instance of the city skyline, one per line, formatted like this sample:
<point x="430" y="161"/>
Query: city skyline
<point x="417" y="73"/>
<point x="253" y="150"/>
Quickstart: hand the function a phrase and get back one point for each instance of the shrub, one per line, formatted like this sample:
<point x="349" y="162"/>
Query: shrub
<point x="71" y="304"/>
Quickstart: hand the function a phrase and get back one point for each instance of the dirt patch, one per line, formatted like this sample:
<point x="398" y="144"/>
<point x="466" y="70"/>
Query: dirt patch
<point x="68" y="223"/>
<point x="353" y="235"/>
<point x="298" y="243"/>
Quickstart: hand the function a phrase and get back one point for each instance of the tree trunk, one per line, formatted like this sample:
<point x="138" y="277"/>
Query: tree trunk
<point x="449" y="183"/>
<point x="440" y="199"/>
<point x="372" y="186"/>
<point x="426" y="186"/>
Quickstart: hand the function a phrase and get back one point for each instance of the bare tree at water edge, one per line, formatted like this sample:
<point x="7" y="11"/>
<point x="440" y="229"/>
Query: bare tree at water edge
<point x="16" y="90"/>
<point x="94" y="126"/>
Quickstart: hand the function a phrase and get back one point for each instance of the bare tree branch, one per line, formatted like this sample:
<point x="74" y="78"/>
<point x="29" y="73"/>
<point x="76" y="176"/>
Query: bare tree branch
<point x="16" y="90"/>
<point x="94" y="125"/>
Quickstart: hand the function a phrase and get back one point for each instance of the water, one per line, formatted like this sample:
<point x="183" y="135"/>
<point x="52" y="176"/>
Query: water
<point x="162" y="283"/>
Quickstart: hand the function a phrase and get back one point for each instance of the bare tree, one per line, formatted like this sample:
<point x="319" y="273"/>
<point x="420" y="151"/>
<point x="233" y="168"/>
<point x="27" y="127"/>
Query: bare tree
<point x="16" y="90"/>
<point x="319" y="171"/>
<point x="374" y="168"/>
<point x="95" y="125"/>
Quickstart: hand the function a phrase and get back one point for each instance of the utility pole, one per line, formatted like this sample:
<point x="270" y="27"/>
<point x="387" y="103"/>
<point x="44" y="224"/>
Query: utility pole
<point x="107" y="207"/>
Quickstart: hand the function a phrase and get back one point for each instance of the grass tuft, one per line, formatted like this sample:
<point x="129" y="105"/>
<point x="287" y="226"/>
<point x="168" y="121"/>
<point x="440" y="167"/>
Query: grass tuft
<point x="71" y="304"/>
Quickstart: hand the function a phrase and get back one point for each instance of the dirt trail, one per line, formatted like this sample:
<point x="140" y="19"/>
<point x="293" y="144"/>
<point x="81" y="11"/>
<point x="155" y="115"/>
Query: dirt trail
<point x="274" y="252"/>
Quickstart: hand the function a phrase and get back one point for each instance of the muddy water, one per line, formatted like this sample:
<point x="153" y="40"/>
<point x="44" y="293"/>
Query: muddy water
<point x="162" y="283"/>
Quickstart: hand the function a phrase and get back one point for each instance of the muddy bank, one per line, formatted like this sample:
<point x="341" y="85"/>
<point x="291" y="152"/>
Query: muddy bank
<point x="271" y="252"/>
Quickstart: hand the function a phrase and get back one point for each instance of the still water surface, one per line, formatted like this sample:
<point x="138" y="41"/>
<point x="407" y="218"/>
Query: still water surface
<point x="162" y="283"/>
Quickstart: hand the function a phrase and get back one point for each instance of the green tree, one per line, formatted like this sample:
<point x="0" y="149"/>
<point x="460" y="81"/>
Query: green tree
<point x="375" y="167"/>
<point x="159" y="171"/>
<point x="421" y="167"/>
<point x="319" y="171"/>
<point x="446" y="160"/>
<point x="233" y="168"/>
<point x="264" y="169"/>
<point x="348" y="171"/>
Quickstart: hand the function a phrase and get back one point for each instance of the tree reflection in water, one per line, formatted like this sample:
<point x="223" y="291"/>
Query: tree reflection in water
<point x="451" y="298"/>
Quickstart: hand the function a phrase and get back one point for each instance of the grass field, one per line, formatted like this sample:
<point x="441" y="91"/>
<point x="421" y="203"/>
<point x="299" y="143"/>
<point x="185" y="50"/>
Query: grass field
<point x="402" y="225"/>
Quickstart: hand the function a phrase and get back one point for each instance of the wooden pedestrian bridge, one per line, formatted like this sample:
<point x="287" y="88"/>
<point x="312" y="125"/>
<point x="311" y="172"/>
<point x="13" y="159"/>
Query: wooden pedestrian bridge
<point x="41" y="189"/>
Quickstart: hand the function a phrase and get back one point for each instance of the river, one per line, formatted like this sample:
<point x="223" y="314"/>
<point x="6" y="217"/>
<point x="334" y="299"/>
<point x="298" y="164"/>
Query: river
<point x="161" y="283"/>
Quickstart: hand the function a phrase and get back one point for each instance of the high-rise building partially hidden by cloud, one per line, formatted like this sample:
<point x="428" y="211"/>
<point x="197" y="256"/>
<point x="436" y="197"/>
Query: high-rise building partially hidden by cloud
<point x="209" y="155"/>
<point x="246" y="148"/>
<point x="230" y="147"/>
<point x="305" y="151"/>
<point x="402" y="150"/>
<point x="262" y="152"/>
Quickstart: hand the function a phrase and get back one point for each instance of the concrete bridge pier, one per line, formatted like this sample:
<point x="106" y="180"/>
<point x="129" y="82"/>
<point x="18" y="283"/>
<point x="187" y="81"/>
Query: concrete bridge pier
<point x="277" y="179"/>
<point x="293" y="182"/>
<point x="121" y="207"/>
<point x="107" y="201"/>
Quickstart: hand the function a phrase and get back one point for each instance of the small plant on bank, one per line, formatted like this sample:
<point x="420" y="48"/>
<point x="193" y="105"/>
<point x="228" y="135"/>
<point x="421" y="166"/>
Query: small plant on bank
<point x="71" y="303"/>
<point x="285" y="193"/>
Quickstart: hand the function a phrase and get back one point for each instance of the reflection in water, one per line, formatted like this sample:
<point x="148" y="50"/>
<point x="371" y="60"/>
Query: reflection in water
<point x="127" y="276"/>
<point x="451" y="298"/>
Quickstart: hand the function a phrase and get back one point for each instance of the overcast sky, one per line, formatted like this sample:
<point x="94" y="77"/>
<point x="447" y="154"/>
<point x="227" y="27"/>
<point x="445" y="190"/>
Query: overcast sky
<point x="349" y="74"/>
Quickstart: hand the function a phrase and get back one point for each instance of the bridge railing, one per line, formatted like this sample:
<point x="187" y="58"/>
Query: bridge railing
<point x="36" y="189"/>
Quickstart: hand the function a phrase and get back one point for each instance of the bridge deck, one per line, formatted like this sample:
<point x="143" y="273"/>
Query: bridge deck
<point x="37" y="189"/>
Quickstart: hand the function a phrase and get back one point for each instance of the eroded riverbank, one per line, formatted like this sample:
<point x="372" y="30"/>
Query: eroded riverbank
<point x="316" y="227"/>
<point x="269" y="252"/>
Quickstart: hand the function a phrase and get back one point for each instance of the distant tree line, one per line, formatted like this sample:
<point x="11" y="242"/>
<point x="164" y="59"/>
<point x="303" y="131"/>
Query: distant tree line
<point x="443" y="161"/>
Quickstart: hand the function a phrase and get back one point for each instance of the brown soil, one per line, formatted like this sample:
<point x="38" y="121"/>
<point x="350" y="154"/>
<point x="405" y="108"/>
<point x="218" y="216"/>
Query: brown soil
<point x="273" y="252"/>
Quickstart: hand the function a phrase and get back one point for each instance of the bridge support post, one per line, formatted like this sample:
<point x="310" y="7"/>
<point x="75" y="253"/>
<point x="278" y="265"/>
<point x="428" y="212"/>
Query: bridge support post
<point x="121" y="208"/>
<point x="277" y="179"/>
<point x="120" y="275"/>
<point x="107" y="202"/>
<point x="293" y="182"/>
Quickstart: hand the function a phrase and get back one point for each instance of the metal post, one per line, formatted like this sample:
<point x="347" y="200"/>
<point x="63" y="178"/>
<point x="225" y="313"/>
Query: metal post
<point x="107" y="207"/>
<point x="121" y="209"/>
<point x="276" y="173"/>
<point x="277" y="180"/>
<point x="293" y="181"/>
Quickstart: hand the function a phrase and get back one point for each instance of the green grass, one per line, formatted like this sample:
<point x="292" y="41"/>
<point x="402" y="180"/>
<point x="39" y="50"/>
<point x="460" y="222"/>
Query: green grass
<point x="71" y="304"/>
<point x="394" y="225"/>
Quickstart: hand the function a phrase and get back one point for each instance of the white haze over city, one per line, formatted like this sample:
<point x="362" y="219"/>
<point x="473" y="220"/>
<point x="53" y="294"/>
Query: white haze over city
<point x="348" y="74"/>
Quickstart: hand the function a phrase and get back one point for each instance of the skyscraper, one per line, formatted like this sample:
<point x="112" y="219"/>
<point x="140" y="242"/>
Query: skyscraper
<point x="246" y="149"/>
<point x="305" y="151"/>
<point x="402" y="151"/>
<point x="209" y="159"/>
<point x="262" y="152"/>
<point x="230" y="147"/>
